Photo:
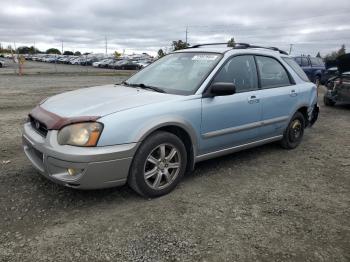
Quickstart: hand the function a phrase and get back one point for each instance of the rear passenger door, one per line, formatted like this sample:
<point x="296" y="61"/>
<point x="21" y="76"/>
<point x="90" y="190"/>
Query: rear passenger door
<point x="279" y="96"/>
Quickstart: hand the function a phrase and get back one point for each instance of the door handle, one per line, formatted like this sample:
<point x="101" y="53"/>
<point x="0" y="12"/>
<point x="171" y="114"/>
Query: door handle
<point x="293" y="93"/>
<point x="253" y="99"/>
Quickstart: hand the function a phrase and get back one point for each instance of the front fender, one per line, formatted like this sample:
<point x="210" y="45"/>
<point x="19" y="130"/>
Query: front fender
<point x="165" y="121"/>
<point x="134" y="125"/>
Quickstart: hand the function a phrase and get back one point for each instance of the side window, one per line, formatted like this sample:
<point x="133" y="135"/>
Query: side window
<point x="304" y="61"/>
<point x="314" y="61"/>
<point x="272" y="73"/>
<point x="241" y="71"/>
<point x="298" y="60"/>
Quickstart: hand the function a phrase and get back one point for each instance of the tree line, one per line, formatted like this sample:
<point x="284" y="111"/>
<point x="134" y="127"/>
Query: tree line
<point x="32" y="50"/>
<point x="179" y="44"/>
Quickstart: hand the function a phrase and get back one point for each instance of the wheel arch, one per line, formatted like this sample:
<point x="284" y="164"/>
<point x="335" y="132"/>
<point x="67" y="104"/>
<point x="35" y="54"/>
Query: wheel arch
<point x="185" y="132"/>
<point x="304" y="111"/>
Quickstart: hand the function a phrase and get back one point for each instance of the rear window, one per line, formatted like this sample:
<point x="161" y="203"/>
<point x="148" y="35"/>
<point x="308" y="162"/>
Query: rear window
<point x="304" y="61"/>
<point x="297" y="69"/>
<point x="298" y="60"/>
<point x="316" y="61"/>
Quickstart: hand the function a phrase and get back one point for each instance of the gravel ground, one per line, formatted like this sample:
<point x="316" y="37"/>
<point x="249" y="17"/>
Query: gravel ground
<point x="263" y="204"/>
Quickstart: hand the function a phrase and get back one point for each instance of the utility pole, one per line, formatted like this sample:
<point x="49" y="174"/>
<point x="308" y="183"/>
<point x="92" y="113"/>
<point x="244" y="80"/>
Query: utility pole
<point x="186" y="35"/>
<point x="106" y="44"/>
<point x="62" y="47"/>
<point x="34" y="48"/>
<point x="290" y="48"/>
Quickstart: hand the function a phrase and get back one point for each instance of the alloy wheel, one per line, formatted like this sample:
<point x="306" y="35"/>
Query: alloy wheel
<point x="162" y="166"/>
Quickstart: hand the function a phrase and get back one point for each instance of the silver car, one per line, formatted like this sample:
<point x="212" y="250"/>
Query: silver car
<point x="188" y="106"/>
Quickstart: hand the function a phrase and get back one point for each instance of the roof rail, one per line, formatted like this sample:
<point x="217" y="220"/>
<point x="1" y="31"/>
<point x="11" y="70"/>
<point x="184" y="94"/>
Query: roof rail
<point x="242" y="46"/>
<point x="199" y="45"/>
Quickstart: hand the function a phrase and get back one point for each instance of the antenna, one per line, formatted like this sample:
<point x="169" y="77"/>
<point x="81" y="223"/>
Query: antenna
<point x="106" y="44"/>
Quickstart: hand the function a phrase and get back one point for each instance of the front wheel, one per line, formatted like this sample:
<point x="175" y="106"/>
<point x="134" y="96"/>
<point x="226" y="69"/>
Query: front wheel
<point x="294" y="132"/>
<point x="158" y="165"/>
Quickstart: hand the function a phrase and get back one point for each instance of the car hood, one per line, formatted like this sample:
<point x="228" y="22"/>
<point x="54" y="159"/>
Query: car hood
<point x="102" y="100"/>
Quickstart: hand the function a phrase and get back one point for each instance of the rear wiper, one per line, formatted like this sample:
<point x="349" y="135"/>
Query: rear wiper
<point x="143" y="86"/>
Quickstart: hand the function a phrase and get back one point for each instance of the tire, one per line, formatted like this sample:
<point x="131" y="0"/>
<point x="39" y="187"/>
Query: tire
<point x="294" y="133"/>
<point x="163" y="175"/>
<point x="328" y="102"/>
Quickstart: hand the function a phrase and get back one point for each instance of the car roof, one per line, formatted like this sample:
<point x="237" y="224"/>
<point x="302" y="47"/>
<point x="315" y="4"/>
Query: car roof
<point x="232" y="51"/>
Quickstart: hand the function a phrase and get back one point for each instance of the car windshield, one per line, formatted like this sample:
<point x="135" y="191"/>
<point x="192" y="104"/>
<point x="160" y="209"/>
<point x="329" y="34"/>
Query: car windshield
<point x="177" y="73"/>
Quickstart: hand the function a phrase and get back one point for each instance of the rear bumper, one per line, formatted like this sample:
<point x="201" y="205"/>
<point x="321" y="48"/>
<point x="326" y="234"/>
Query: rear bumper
<point x="97" y="167"/>
<point x="313" y="114"/>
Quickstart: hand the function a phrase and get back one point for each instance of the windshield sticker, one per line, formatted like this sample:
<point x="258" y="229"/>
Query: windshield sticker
<point x="204" y="57"/>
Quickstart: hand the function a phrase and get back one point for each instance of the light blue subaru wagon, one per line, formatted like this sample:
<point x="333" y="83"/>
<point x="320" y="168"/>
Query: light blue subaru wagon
<point x="191" y="105"/>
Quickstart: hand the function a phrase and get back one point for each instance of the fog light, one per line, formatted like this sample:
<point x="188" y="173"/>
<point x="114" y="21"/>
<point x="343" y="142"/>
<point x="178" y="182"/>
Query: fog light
<point x="72" y="171"/>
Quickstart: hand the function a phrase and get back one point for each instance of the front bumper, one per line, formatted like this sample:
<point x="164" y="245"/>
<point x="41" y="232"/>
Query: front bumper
<point x="96" y="167"/>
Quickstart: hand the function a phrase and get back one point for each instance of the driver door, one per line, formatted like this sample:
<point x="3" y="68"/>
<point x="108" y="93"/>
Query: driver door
<point x="232" y="120"/>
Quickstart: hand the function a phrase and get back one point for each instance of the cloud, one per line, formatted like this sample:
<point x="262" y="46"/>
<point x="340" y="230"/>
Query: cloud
<point x="142" y="25"/>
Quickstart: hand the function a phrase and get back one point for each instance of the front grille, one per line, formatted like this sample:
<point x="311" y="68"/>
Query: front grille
<point x="38" y="126"/>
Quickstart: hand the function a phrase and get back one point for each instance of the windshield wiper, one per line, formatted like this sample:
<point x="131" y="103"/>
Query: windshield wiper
<point x="143" y="86"/>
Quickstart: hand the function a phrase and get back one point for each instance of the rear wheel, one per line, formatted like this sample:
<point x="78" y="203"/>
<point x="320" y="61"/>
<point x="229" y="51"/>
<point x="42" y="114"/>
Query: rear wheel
<point x="158" y="165"/>
<point x="294" y="132"/>
<point x="328" y="102"/>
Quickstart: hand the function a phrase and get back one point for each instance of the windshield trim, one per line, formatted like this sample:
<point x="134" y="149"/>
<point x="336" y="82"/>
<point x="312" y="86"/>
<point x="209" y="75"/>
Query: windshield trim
<point x="200" y="82"/>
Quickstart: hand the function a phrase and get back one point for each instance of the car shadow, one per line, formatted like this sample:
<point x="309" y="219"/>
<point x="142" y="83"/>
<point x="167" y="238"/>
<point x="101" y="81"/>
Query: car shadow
<point x="232" y="160"/>
<point x="48" y="195"/>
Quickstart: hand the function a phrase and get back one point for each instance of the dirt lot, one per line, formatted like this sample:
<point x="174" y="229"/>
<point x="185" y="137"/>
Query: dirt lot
<point x="263" y="204"/>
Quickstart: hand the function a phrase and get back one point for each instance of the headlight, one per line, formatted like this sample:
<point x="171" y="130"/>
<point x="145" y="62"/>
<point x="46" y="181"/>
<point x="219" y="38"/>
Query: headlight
<point x="82" y="134"/>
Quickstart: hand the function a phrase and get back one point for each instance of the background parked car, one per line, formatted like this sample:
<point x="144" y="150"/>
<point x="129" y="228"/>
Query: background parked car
<point x="339" y="86"/>
<point x="2" y="63"/>
<point x="125" y="65"/>
<point x="143" y="63"/>
<point x="313" y="67"/>
<point x="103" y="62"/>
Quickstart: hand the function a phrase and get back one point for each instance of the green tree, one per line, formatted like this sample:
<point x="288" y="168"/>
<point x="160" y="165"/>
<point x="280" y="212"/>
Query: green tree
<point x="27" y="50"/>
<point x="117" y="54"/>
<point x="161" y="53"/>
<point x="178" y="45"/>
<point x="342" y="50"/>
<point x="335" y="54"/>
<point x="68" y="53"/>
<point x="77" y="53"/>
<point x="23" y="50"/>
<point x="231" y="42"/>
<point x="53" y="51"/>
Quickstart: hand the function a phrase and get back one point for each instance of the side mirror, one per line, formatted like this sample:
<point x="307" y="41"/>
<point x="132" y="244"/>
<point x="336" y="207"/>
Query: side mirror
<point x="221" y="89"/>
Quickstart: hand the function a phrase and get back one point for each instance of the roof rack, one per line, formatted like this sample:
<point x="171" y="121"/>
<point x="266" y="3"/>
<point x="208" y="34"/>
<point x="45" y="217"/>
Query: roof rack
<point x="242" y="46"/>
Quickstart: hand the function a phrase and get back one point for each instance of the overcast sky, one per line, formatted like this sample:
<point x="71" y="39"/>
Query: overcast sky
<point x="141" y="25"/>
